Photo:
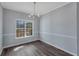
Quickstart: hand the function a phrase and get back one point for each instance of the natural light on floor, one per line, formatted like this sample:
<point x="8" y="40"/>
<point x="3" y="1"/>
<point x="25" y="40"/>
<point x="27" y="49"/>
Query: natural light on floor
<point x="17" y="48"/>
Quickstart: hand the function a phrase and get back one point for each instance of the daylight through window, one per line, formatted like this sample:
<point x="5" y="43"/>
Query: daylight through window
<point x="23" y="28"/>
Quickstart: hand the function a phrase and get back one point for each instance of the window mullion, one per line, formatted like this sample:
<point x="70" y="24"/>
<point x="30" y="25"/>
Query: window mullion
<point x="25" y="28"/>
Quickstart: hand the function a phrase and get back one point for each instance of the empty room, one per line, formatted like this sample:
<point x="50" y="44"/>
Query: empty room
<point x="39" y="28"/>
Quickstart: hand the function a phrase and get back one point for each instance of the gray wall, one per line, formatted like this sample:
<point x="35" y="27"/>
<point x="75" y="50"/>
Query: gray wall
<point x="78" y="28"/>
<point x="0" y="29"/>
<point x="9" y="28"/>
<point x="58" y="28"/>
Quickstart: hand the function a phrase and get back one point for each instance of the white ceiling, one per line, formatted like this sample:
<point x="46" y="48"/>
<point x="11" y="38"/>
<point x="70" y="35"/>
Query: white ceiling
<point x="27" y="7"/>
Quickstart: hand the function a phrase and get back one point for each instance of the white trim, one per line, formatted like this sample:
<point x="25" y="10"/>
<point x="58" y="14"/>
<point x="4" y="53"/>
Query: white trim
<point x="61" y="35"/>
<point x="10" y="34"/>
<point x="25" y="36"/>
<point x="57" y="8"/>
<point x="59" y="47"/>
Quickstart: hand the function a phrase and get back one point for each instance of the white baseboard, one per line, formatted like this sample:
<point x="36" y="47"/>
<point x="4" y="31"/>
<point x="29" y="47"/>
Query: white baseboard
<point x="59" y="48"/>
<point x="43" y="41"/>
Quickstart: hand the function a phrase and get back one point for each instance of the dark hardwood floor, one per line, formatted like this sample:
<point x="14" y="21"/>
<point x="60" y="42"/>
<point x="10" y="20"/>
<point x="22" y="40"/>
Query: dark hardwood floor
<point x="36" y="48"/>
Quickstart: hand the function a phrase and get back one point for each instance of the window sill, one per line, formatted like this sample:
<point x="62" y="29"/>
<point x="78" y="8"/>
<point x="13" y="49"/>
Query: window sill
<point x="22" y="37"/>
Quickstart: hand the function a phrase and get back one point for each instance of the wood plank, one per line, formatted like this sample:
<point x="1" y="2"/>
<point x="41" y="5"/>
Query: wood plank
<point x="37" y="48"/>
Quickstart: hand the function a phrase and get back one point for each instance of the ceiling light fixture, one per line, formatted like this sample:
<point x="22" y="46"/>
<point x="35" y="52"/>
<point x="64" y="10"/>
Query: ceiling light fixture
<point x="34" y="12"/>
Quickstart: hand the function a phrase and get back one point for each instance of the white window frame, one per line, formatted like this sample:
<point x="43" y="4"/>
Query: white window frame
<point x="26" y="21"/>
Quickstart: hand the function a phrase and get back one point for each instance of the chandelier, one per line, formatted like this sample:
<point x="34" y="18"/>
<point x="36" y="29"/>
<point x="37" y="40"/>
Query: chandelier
<point x="34" y="11"/>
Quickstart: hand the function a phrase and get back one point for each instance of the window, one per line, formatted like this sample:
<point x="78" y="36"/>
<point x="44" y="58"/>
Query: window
<point x="28" y="28"/>
<point x="23" y="28"/>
